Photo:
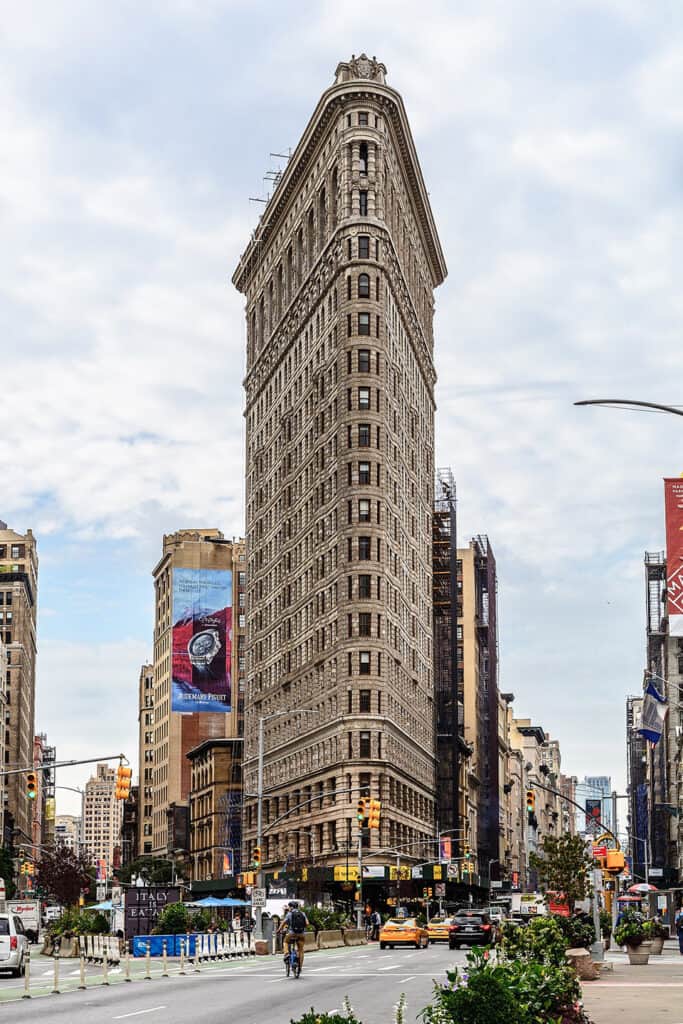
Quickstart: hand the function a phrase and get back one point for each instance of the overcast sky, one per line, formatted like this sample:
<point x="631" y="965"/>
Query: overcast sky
<point x="550" y="140"/>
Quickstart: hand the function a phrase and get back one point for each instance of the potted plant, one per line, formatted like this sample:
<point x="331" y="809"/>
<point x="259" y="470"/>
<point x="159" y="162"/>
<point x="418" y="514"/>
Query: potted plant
<point x="659" y="933"/>
<point x="606" y="927"/>
<point x="635" y="932"/>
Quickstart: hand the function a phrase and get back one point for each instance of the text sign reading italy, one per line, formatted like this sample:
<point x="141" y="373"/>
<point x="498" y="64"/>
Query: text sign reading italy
<point x="673" y="503"/>
<point x="202" y="640"/>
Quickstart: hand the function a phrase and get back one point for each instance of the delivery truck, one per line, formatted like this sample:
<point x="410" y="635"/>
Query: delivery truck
<point x="29" y="912"/>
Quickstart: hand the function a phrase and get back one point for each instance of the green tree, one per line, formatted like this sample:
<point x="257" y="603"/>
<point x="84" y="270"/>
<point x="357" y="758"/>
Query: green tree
<point x="7" y="872"/>
<point x="563" y="866"/>
<point x="63" y="874"/>
<point x="152" y="869"/>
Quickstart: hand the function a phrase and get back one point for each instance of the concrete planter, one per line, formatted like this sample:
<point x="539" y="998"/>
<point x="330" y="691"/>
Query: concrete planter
<point x="354" y="937"/>
<point x="330" y="938"/>
<point x="657" y="945"/>
<point x="638" y="956"/>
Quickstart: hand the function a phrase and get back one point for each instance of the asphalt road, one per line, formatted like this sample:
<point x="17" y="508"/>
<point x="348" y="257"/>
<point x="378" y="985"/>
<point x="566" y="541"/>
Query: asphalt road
<point x="255" y="991"/>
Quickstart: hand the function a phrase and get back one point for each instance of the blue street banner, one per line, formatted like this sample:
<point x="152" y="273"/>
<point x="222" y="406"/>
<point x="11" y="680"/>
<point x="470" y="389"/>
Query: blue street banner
<point x="201" y="640"/>
<point x="653" y="714"/>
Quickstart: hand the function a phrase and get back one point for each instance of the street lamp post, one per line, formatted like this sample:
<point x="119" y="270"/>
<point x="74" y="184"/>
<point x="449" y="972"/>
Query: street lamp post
<point x="258" y="915"/>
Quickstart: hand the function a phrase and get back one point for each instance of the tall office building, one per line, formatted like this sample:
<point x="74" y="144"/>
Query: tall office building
<point x="102" y="817"/>
<point x="200" y="594"/>
<point x="68" y="831"/>
<point x="18" y="596"/>
<point x="146" y="757"/>
<point x="338" y="279"/>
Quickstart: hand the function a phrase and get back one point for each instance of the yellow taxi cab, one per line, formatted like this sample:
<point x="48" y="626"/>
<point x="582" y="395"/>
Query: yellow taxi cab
<point x="437" y="929"/>
<point x="403" y="931"/>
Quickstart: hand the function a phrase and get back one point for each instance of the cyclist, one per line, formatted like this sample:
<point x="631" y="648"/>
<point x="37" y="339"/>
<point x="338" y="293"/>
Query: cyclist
<point x="294" y="925"/>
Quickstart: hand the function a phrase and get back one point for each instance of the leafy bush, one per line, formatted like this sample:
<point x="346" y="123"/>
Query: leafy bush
<point x="75" y="922"/>
<point x="605" y="924"/>
<point x="579" y="932"/>
<point x="542" y="941"/>
<point x="348" y="1016"/>
<point x="322" y="919"/>
<point x="174" y="919"/>
<point x="632" y="930"/>
<point x="483" y="997"/>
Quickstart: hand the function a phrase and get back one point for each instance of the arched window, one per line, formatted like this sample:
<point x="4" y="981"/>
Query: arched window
<point x="363" y="286"/>
<point x="322" y="219"/>
<point x="363" y="158"/>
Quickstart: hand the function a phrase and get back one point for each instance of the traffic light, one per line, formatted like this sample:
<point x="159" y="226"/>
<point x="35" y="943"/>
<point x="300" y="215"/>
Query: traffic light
<point x="374" y="813"/>
<point x="530" y="801"/>
<point x="31" y="785"/>
<point x="256" y="857"/>
<point x="615" y="862"/>
<point x="467" y="853"/>
<point x="123" y="780"/>
<point x="362" y="813"/>
<point x="427" y="893"/>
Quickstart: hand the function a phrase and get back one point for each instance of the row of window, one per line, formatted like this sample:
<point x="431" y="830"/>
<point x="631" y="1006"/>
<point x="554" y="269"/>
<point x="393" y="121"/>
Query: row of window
<point x="364" y="548"/>
<point x="364" y="433"/>
<point x="363" y="361"/>
<point x="362" y="287"/>
<point x="363" y="399"/>
<point x="363" y="247"/>
<point x="364" y="702"/>
<point x="5" y="597"/>
<point x="15" y="550"/>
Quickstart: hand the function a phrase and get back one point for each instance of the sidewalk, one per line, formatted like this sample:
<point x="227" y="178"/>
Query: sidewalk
<point x="635" y="995"/>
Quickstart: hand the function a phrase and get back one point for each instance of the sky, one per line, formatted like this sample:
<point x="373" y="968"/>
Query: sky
<point x="134" y="135"/>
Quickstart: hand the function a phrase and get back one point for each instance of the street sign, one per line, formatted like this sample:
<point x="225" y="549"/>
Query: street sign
<point x="496" y="883"/>
<point x="440" y="890"/>
<point x="258" y="898"/>
<point x="452" y="870"/>
<point x="599" y="851"/>
<point x="101" y="892"/>
<point x="116" y="897"/>
<point x="656" y="872"/>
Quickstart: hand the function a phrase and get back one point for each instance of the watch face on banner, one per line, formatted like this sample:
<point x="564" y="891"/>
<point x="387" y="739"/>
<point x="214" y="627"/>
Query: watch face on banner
<point x="202" y="640"/>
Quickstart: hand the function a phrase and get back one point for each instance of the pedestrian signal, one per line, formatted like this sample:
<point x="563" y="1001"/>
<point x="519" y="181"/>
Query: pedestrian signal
<point x="31" y="785"/>
<point x="362" y="813"/>
<point x="123" y="780"/>
<point x="374" y="813"/>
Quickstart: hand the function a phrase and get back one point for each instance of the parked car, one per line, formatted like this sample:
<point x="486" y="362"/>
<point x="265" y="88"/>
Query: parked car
<point x="471" y="928"/>
<point x="403" y="931"/>
<point x="13" y="945"/>
<point x="437" y="929"/>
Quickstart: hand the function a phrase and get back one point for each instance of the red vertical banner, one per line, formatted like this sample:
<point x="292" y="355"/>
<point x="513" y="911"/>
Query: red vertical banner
<point x="673" y="508"/>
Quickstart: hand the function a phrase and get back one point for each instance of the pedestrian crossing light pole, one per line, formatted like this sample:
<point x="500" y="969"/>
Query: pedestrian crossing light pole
<point x="361" y="815"/>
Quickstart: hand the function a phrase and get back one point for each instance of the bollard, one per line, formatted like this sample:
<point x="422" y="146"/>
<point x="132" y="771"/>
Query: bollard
<point x="148" y="965"/>
<point x="82" y="970"/>
<point x="127" y="977"/>
<point x="55" y="983"/>
<point x="105" y="970"/>
<point x="182" y="957"/>
<point x="195" y="958"/>
<point x="164" y="961"/>
<point x="27" y="976"/>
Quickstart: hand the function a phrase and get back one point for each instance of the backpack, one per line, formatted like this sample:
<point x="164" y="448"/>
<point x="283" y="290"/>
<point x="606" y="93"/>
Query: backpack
<point x="297" y="922"/>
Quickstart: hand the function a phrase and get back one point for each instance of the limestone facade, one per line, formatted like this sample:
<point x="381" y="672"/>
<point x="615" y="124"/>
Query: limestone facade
<point x="338" y="280"/>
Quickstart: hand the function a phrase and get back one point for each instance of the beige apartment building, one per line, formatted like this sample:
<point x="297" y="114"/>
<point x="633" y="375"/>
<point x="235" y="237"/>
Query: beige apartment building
<point x="102" y="817"/>
<point x="68" y="831"/>
<point x="338" y="280"/>
<point x="18" y="599"/>
<point x="168" y="735"/>
<point x="477" y="667"/>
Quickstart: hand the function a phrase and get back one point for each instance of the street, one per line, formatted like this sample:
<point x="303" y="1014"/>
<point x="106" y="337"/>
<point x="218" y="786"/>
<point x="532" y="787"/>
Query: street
<point x="251" y="991"/>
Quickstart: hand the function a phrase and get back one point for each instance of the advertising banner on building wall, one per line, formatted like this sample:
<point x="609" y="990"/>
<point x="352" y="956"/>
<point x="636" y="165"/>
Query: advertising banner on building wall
<point x="673" y="508"/>
<point x="202" y="640"/>
<point x="593" y="814"/>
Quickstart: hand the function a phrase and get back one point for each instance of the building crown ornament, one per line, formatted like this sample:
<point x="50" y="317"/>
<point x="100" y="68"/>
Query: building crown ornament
<point x="363" y="67"/>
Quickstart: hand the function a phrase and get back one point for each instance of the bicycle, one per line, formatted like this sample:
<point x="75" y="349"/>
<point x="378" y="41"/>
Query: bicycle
<point x="292" y="964"/>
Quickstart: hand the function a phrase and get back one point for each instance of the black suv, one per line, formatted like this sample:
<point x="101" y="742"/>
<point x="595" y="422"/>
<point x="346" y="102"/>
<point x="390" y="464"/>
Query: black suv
<point x="471" y="928"/>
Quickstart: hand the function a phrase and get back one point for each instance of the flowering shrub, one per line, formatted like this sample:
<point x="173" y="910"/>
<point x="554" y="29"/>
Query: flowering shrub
<point x="347" y="1017"/>
<point x="632" y="930"/>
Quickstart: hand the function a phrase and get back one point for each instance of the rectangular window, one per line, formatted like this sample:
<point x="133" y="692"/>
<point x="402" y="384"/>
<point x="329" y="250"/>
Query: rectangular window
<point x="364" y="586"/>
<point x="364" y="323"/>
<point x="377" y="249"/>
<point x="242" y="578"/>
<point x="364" y="510"/>
<point x="364" y="360"/>
<point x="349" y="587"/>
<point x="14" y="551"/>
<point x="350" y="703"/>
<point x="364" y="548"/>
<point x="363" y="203"/>
<point x="363" y="435"/>
<point x="363" y="473"/>
<point x="364" y="624"/>
<point x="364" y="247"/>
<point x="363" y="120"/>
<point x="363" y="398"/>
<point x="364" y="663"/>
<point x="365" y="744"/>
<point x="364" y="702"/>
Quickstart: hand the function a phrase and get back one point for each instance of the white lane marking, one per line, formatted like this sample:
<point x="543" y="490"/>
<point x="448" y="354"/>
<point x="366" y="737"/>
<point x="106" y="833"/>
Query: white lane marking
<point x="275" y="981"/>
<point x="411" y="978"/>
<point x="391" y="967"/>
<point x="136" y="1013"/>
<point x="315" y="970"/>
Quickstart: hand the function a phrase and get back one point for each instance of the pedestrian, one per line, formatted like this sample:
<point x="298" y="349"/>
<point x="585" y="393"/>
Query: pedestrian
<point x="678" y="923"/>
<point x="376" y="922"/>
